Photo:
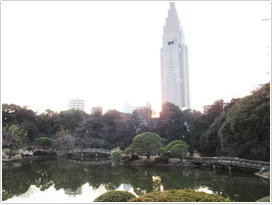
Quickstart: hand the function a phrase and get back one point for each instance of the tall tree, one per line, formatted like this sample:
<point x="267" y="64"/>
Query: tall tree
<point x="70" y="119"/>
<point x="172" y="124"/>
<point x="246" y="131"/>
<point x="47" y="124"/>
<point x="64" y="140"/>
<point x="199" y="140"/>
<point x="210" y="141"/>
<point x="14" y="114"/>
<point x="14" y="136"/>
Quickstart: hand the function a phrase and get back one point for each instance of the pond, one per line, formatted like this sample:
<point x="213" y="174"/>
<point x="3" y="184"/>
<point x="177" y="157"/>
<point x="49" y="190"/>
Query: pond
<point x="69" y="181"/>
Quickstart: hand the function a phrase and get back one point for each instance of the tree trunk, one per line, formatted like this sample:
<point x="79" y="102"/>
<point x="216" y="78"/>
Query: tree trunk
<point x="10" y="152"/>
<point x="57" y="147"/>
<point x="148" y="155"/>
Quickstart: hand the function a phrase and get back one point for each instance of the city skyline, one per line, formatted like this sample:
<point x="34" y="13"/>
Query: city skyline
<point x="108" y="53"/>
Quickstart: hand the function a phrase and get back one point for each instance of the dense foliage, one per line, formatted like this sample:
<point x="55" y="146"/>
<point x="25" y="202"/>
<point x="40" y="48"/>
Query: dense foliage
<point x="182" y="195"/>
<point x="115" y="196"/>
<point x="146" y="143"/>
<point x="116" y="156"/>
<point x="162" y="160"/>
<point x="44" y="143"/>
<point x="176" y="148"/>
<point x="13" y="136"/>
<point x="246" y="130"/>
<point x="44" y="153"/>
<point x="239" y="128"/>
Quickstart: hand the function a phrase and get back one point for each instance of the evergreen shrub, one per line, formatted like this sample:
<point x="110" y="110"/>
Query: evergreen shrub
<point x="264" y="199"/>
<point x="116" y="156"/>
<point x="115" y="196"/>
<point x="44" y="152"/>
<point x="45" y="142"/>
<point x="149" y="163"/>
<point x="182" y="195"/>
<point x="162" y="160"/>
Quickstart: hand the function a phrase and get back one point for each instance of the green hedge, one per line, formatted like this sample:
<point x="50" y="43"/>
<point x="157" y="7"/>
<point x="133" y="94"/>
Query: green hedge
<point x="44" y="153"/>
<point x="115" y="196"/>
<point x="162" y="160"/>
<point x="264" y="199"/>
<point x="182" y="195"/>
<point x="149" y="163"/>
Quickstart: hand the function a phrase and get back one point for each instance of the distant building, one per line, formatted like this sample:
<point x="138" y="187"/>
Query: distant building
<point x="175" y="84"/>
<point x="77" y="104"/>
<point x="97" y="111"/>
<point x="129" y="108"/>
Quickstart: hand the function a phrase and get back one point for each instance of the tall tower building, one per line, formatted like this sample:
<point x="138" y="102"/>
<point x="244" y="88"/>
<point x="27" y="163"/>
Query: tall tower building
<point x="174" y="62"/>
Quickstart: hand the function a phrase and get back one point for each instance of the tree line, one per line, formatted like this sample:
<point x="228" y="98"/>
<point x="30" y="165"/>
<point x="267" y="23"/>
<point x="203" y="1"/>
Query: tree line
<point x="240" y="128"/>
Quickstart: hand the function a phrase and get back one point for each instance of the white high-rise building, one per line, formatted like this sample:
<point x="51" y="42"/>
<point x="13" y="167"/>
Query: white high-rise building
<point x="129" y="108"/>
<point x="76" y="104"/>
<point x="174" y="62"/>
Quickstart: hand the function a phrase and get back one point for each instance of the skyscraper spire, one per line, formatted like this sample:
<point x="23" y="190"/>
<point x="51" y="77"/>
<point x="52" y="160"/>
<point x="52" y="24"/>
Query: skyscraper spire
<point x="172" y="5"/>
<point x="172" y="23"/>
<point x="174" y="62"/>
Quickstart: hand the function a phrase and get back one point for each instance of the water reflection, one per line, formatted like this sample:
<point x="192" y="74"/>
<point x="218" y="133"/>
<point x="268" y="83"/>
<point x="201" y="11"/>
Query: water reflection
<point x="79" y="191"/>
<point x="81" y="180"/>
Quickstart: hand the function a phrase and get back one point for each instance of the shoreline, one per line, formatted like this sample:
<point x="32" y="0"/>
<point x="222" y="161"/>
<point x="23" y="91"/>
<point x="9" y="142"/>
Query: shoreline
<point x="5" y="161"/>
<point x="265" y="175"/>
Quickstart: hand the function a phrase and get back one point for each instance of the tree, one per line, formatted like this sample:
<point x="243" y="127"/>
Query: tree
<point x="65" y="140"/>
<point x="170" y="111"/>
<point x="179" y="148"/>
<point x="71" y="119"/>
<point x="210" y="142"/>
<point x="14" y="114"/>
<point x="172" y="124"/>
<point x="44" y="142"/>
<point x="198" y="139"/>
<point x="215" y="110"/>
<point x="246" y="130"/>
<point x="47" y="124"/>
<point x="129" y="150"/>
<point x="116" y="154"/>
<point x="14" y="136"/>
<point x="111" y="124"/>
<point x="146" y="143"/>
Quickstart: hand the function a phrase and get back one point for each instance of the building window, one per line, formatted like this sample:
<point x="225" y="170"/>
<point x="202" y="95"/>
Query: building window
<point x="170" y="43"/>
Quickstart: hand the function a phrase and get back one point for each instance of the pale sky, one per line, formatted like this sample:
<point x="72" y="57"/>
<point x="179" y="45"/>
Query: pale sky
<point x="108" y="53"/>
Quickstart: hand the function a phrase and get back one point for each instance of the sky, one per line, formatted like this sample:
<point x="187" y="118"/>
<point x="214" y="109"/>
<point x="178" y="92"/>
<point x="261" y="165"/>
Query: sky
<point x="108" y="52"/>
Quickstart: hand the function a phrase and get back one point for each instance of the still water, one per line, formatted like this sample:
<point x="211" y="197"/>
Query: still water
<point x="67" y="181"/>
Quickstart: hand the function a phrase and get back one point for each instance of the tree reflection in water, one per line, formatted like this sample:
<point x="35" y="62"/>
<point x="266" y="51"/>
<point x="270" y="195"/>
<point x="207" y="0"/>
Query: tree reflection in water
<point x="62" y="174"/>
